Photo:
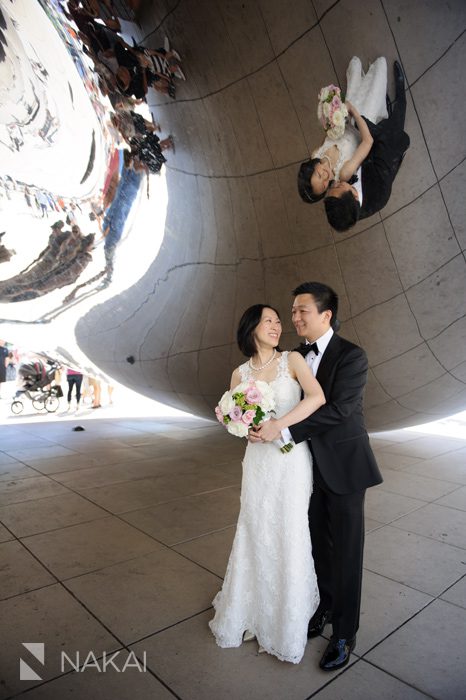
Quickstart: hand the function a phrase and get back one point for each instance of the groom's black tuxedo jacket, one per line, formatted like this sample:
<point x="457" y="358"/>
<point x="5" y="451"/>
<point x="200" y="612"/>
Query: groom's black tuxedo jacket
<point x="336" y="432"/>
<point x="380" y="167"/>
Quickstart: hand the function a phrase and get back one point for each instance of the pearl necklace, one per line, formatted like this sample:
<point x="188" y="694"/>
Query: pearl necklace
<point x="258" y="369"/>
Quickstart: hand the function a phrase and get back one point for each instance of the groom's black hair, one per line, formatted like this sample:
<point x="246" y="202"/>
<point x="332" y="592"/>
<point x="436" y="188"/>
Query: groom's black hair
<point x="342" y="212"/>
<point x="324" y="296"/>
<point x="246" y="327"/>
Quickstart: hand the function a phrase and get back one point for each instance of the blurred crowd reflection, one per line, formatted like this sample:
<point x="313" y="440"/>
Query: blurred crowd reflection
<point x="117" y="72"/>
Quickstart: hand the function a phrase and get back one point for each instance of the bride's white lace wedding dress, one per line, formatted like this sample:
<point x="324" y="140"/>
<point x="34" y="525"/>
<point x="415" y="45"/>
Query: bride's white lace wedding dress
<point x="270" y="586"/>
<point x="366" y="91"/>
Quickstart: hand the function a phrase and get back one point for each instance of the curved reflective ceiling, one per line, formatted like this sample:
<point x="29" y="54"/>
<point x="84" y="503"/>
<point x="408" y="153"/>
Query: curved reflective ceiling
<point x="232" y="228"/>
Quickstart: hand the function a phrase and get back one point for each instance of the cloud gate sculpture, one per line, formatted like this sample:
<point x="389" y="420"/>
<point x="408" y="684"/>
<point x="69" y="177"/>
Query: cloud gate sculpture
<point x="223" y="226"/>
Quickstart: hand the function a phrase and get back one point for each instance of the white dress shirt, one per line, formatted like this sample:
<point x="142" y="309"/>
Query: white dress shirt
<point x="358" y="185"/>
<point x="313" y="361"/>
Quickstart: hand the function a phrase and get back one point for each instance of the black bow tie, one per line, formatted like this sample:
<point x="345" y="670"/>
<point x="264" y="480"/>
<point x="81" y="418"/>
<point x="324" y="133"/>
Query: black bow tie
<point x="305" y="348"/>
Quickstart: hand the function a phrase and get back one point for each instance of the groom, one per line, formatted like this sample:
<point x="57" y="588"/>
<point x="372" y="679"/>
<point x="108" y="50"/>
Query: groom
<point x="343" y="465"/>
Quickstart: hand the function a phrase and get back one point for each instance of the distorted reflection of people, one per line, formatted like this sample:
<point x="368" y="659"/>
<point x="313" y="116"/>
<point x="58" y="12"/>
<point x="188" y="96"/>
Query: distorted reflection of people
<point x="67" y="254"/>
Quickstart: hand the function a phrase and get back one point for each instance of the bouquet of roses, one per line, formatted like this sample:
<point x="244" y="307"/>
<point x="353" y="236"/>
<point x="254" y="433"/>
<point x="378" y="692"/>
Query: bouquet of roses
<point x="331" y="111"/>
<point x="247" y="405"/>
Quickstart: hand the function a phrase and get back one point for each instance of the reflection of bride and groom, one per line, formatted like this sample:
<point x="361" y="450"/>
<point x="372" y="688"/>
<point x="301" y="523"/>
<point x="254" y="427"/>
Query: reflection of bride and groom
<point x="354" y="174"/>
<point x="297" y="557"/>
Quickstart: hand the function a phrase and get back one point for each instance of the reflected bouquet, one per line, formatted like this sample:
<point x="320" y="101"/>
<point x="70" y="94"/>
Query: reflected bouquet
<point x="245" y="406"/>
<point x="331" y="111"/>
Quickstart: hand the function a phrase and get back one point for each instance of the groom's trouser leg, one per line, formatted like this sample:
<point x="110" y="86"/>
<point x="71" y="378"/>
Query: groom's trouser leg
<point x="347" y="533"/>
<point x="322" y="548"/>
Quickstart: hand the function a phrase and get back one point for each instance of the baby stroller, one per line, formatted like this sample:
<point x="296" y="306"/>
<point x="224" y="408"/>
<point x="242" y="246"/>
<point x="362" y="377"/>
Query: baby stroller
<point x="39" y="386"/>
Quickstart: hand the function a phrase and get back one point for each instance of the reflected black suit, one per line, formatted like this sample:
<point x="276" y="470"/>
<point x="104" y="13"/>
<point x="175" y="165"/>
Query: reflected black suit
<point x="380" y="167"/>
<point x="344" y="466"/>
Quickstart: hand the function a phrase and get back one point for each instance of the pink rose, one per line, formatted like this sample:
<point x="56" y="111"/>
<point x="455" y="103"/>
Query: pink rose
<point x="336" y="103"/>
<point x="253" y="395"/>
<point x="236" y="414"/>
<point x="248" y="416"/>
<point x="219" y="414"/>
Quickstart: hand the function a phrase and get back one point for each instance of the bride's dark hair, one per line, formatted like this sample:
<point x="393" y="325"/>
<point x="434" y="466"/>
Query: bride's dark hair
<point x="304" y="182"/>
<point x="247" y="325"/>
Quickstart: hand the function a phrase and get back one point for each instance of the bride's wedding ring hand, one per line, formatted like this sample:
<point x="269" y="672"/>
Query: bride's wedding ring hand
<point x="269" y="431"/>
<point x="253" y="435"/>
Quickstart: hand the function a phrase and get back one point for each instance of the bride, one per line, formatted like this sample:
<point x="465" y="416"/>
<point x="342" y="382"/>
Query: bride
<point x="339" y="159"/>
<point x="270" y="590"/>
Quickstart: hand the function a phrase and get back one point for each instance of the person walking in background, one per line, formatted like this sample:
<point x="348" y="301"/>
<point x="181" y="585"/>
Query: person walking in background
<point x="74" y="379"/>
<point x="43" y="202"/>
<point x="3" y="362"/>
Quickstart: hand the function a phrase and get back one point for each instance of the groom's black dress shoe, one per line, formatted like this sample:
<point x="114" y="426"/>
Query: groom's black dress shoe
<point x="337" y="654"/>
<point x="318" y="622"/>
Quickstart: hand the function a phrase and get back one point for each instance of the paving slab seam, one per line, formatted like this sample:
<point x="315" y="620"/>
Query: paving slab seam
<point x="437" y="60"/>
<point x="174" y="624"/>
<point x="204" y="534"/>
<point x="427" y="537"/>
<point x="56" y="529"/>
<point x="394" y="580"/>
<point x="405" y="682"/>
<point x="173" y="500"/>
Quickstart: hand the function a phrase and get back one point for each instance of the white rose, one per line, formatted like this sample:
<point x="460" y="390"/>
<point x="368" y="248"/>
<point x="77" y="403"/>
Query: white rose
<point x="326" y="109"/>
<point x="323" y="94"/>
<point x="336" y="133"/>
<point x="268" y="398"/>
<point x="226" y="403"/>
<point x="240" y="388"/>
<point x="338" y="118"/>
<point x="268" y="406"/>
<point x="238" y="429"/>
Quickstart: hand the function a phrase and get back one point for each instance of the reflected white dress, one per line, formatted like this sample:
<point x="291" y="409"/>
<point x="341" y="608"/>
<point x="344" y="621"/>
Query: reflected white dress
<point x="366" y="91"/>
<point x="270" y="586"/>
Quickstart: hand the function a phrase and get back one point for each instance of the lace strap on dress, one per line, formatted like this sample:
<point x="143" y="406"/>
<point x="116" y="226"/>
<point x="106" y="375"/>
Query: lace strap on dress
<point x="283" y="370"/>
<point x="245" y="372"/>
